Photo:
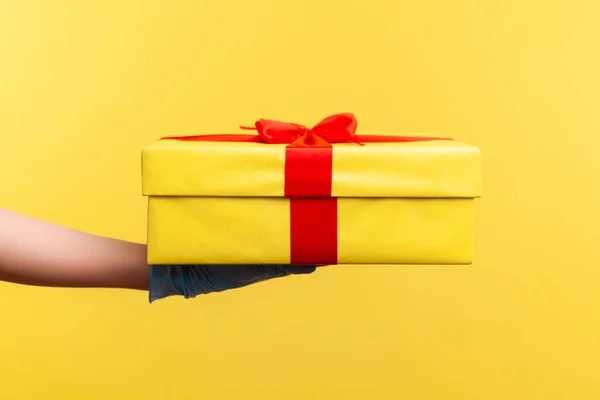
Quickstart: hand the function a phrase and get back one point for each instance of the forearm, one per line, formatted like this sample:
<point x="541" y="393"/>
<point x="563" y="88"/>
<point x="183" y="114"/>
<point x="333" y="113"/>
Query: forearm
<point x="34" y="252"/>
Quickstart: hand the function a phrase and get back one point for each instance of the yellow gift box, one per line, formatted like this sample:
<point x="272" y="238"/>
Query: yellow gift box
<point x="252" y="199"/>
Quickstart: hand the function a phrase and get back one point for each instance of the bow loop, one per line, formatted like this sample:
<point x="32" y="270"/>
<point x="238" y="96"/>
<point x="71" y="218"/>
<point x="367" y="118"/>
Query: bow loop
<point x="277" y="132"/>
<point x="339" y="128"/>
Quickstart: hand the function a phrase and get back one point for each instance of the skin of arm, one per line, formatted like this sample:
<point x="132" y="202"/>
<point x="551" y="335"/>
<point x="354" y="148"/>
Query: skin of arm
<point x="39" y="253"/>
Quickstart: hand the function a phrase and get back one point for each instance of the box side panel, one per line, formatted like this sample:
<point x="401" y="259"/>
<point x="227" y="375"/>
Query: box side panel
<point x="206" y="230"/>
<point x="405" y="231"/>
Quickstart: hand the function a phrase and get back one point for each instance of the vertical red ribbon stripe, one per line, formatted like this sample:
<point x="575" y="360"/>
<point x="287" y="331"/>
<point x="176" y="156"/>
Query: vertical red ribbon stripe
<point x="308" y="174"/>
<point x="313" y="212"/>
<point x="308" y="171"/>
<point x="313" y="231"/>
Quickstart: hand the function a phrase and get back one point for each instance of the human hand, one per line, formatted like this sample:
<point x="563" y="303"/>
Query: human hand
<point x="192" y="280"/>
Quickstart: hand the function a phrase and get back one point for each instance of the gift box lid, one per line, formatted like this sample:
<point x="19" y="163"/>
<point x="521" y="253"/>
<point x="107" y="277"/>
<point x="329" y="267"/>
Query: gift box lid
<point x="428" y="168"/>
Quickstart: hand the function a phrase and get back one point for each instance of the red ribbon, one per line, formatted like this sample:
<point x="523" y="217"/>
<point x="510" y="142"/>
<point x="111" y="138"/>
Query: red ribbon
<point x="308" y="177"/>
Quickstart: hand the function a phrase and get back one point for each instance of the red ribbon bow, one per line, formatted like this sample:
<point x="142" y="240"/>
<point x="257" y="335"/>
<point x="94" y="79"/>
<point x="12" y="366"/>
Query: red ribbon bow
<point x="339" y="128"/>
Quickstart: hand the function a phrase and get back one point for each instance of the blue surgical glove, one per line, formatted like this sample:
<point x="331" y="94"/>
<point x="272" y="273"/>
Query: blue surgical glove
<point x="192" y="280"/>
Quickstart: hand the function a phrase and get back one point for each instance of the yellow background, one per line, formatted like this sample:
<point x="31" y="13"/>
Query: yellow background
<point x="85" y="85"/>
